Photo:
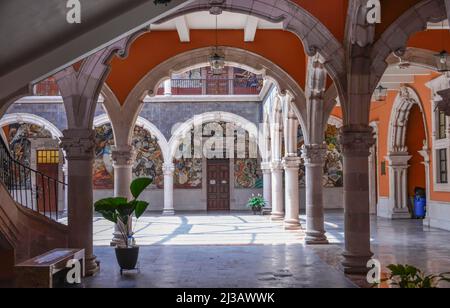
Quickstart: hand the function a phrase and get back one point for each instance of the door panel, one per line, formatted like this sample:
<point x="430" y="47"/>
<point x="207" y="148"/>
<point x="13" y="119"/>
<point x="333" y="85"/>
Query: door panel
<point x="218" y="185"/>
<point x="46" y="186"/>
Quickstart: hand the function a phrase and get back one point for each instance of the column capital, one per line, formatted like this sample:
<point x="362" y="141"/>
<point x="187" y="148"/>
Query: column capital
<point x="78" y="144"/>
<point x="266" y="167"/>
<point x="314" y="154"/>
<point x="398" y="160"/>
<point x="123" y="156"/>
<point x="291" y="162"/>
<point x="168" y="169"/>
<point x="276" y="165"/>
<point x="356" y="140"/>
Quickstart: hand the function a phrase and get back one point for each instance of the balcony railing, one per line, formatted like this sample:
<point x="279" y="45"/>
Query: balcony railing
<point x="237" y="86"/>
<point x="47" y="87"/>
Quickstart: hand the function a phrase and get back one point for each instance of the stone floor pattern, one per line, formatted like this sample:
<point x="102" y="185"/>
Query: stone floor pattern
<point x="242" y="250"/>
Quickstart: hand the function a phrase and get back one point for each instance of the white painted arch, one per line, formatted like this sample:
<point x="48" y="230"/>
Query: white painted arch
<point x="147" y="125"/>
<point x="405" y="100"/>
<point x="14" y="118"/>
<point x="217" y="116"/>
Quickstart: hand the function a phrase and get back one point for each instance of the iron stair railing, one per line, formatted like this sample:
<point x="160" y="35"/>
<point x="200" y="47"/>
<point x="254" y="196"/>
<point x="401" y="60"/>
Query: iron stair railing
<point x="31" y="188"/>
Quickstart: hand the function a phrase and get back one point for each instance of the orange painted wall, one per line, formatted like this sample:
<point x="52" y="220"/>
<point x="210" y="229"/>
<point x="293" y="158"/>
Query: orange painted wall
<point x="390" y="12"/>
<point x="415" y="134"/>
<point x="281" y="47"/>
<point x="435" y="40"/>
<point x="332" y="15"/>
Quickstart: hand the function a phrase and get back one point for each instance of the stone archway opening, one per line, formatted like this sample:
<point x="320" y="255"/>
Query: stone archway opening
<point x="407" y="138"/>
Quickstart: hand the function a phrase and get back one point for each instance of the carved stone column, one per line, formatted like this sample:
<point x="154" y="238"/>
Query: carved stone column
<point x="123" y="161"/>
<point x="168" y="170"/>
<point x="356" y="141"/>
<point x="291" y="168"/>
<point x="398" y="184"/>
<point x="79" y="145"/>
<point x="267" y="182"/>
<point x="314" y="156"/>
<point x="373" y="181"/>
<point x="277" y="191"/>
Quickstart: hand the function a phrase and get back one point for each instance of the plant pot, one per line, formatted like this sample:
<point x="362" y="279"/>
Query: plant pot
<point x="256" y="210"/>
<point x="127" y="257"/>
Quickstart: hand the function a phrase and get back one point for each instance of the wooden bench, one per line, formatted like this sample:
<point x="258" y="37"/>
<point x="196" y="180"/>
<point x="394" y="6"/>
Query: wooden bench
<point x="39" y="272"/>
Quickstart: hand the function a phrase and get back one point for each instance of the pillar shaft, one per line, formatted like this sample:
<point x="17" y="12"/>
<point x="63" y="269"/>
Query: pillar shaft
<point x="79" y="148"/>
<point x="169" y="170"/>
<point x="291" y="168"/>
<point x="314" y="156"/>
<point x="267" y="182"/>
<point x="123" y="160"/>
<point x="356" y="142"/>
<point x="277" y="191"/>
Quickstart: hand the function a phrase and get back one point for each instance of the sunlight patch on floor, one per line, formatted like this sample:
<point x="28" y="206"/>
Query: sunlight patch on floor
<point x="203" y="230"/>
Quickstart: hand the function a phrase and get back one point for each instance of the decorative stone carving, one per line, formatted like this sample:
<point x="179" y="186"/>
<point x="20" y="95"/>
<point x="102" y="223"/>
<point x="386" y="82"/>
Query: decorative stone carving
<point x="78" y="144"/>
<point x="314" y="154"/>
<point x="124" y="157"/>
<point x="398" y="174"/>
<point x="356" y="140"/>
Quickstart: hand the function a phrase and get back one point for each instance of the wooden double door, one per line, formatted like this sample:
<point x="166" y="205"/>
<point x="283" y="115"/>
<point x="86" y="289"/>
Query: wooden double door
<point x="46" y="180"/>
<point x="218" y="193"/>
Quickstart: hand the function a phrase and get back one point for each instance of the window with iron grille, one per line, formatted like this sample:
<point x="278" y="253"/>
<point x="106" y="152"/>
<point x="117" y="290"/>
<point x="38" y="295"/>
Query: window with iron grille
<point x="442" y="166"/>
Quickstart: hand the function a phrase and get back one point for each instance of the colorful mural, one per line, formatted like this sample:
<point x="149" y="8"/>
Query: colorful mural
<point x="333" y="162"/>
<point x="188" y="173"/>
<point x="149" y="160"/>
<point x="103" y="165"/>
<point x="247" y="173"/>
<point x="18" y="137"/>
<point x="332" y="171"/>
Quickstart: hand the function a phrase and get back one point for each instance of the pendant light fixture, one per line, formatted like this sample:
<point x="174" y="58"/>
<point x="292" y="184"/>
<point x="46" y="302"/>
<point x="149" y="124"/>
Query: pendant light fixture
<point x="380" y="93"/>
<point x="217" y="61"/>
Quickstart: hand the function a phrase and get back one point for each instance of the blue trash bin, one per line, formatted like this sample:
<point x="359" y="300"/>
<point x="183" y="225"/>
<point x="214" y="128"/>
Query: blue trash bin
<point x="420" y="203"/>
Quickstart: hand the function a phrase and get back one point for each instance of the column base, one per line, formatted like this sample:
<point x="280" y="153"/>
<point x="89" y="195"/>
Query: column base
<point x="356" y="265"/>
<point x="400" y="214"/>
<point x="316" y="238"/>
<point x="92" y="266"/>
<point x="277" y="216"/>
<point x="168" y="213"/>
<point x="292" y="224"/>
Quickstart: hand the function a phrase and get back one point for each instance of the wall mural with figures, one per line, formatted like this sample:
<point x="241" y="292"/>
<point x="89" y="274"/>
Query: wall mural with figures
<point x="332" y="171"/>
<point x="18" y="137"/>
<point x="188" y="173"/>
<point x="149" y="160"/>
<point x="247" y="173"/>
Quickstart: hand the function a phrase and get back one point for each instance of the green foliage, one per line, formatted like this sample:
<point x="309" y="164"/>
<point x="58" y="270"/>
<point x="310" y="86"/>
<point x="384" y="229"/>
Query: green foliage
<point x="256" y="202"/>
<point x="410" y="277"/>
<point x="120" y="211"/>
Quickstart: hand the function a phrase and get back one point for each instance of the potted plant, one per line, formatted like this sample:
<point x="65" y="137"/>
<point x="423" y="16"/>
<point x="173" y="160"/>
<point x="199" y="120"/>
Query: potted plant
<point x="410" y="277"/>
<point x="256" y="203"/>
<point x="120" y="211"/>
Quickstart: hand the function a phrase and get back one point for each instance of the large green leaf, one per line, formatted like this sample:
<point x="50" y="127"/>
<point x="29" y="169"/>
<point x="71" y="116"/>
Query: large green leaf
<point x="139" y="185"/>
<point x="109" y="215"/>
<point x="109" y="204"/>
<point x="141" y="207"/>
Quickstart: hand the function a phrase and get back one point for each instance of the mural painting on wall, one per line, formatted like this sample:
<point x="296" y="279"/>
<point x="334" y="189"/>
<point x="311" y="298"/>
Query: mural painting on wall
<point x="19" y="136"/>
<point x="149" y="160"/>
<point x="188" y="173"/>
<point x="332" y="172"/>
<point x="333" y="176"/>
<point x="247" y="173"/>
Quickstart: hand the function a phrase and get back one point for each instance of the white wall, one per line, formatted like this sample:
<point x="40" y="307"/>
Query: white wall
<point x="438" y="215"/>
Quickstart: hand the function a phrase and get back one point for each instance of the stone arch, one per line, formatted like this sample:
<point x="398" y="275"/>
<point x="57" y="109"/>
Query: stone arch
<point x="405" y="100"/>
<point x="186" y="127"/>
<point x="235" y="56"/>
<point x="315" y="36"/>
<point x="147" y="125"/>
<point x="396" y="37"/>
<point x="31" y="119"/>
<point x="398" y="155"/>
